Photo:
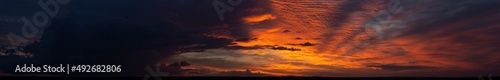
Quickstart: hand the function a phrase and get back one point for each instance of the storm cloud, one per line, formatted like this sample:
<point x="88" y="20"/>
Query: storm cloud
<point x="131" y="33"/>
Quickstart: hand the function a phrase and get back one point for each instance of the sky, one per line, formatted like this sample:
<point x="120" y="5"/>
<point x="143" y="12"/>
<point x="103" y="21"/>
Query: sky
<point x="330" y="38"/>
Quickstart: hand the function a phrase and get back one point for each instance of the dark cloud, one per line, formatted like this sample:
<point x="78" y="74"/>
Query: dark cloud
<point x="240" y="73"/>
<point x="361" y="37"/>
<point x="394" y="67"/>
<point x="298" y="38"/>
<point x="285" y="48"/>
<point x="180" y="69"/>
<point x="219" y="63"/>
<point x="245" y="39"/>
<point x="132" y="33"/>
<point x="340" y="18"/>
<point x="456" y="30"/>
<point x="245" y="47"/>
<point x="210" y="72"/>
<point x="286" y="31"/>
<point x="173" y="68"/>
<point x="272" y="47"/>
<point x="456" y="11"/>
<point x="303" y="44"/>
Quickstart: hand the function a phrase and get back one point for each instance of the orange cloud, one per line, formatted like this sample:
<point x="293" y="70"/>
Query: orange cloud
<point x="338" y="31"/>
<point x="258" y="18"/>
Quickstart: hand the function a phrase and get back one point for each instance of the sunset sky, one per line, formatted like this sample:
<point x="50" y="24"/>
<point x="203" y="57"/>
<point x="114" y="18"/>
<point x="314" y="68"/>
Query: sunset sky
<point x="331" y="38"/>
